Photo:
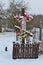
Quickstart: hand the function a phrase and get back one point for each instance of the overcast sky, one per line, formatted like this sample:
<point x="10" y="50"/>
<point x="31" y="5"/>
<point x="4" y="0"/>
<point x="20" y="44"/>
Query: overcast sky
<point x="35" y="5"/>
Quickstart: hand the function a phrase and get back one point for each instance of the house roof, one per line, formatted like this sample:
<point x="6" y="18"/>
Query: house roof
<point x="36" y="21"/>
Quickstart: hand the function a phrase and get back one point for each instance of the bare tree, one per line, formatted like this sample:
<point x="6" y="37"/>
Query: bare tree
<point x="15" y="8"/>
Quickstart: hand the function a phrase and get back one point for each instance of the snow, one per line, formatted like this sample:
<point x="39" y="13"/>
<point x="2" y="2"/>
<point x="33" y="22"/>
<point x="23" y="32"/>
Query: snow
<point x="6" y="39"/>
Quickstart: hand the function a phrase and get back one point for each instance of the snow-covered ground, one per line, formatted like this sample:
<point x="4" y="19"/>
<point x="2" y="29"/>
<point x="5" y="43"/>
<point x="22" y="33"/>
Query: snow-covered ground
<point x="6" y="39"/>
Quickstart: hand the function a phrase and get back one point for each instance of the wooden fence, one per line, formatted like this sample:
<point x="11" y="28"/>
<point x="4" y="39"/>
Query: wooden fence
<point x="25" y="50"/>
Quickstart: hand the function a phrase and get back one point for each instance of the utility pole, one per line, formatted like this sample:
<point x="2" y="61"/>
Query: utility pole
<point x="23" y="11"/>
<point x="23" y="22"/>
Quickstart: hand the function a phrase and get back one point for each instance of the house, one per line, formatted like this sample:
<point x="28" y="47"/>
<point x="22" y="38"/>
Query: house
<point x="3" y="23"/>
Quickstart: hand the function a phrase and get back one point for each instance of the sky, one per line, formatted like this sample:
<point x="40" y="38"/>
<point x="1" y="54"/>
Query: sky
<point x="36" y="6"/>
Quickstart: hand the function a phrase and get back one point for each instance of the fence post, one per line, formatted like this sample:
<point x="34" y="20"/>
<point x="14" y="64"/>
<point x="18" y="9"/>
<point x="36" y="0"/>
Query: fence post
<point x="14" y="50"/>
